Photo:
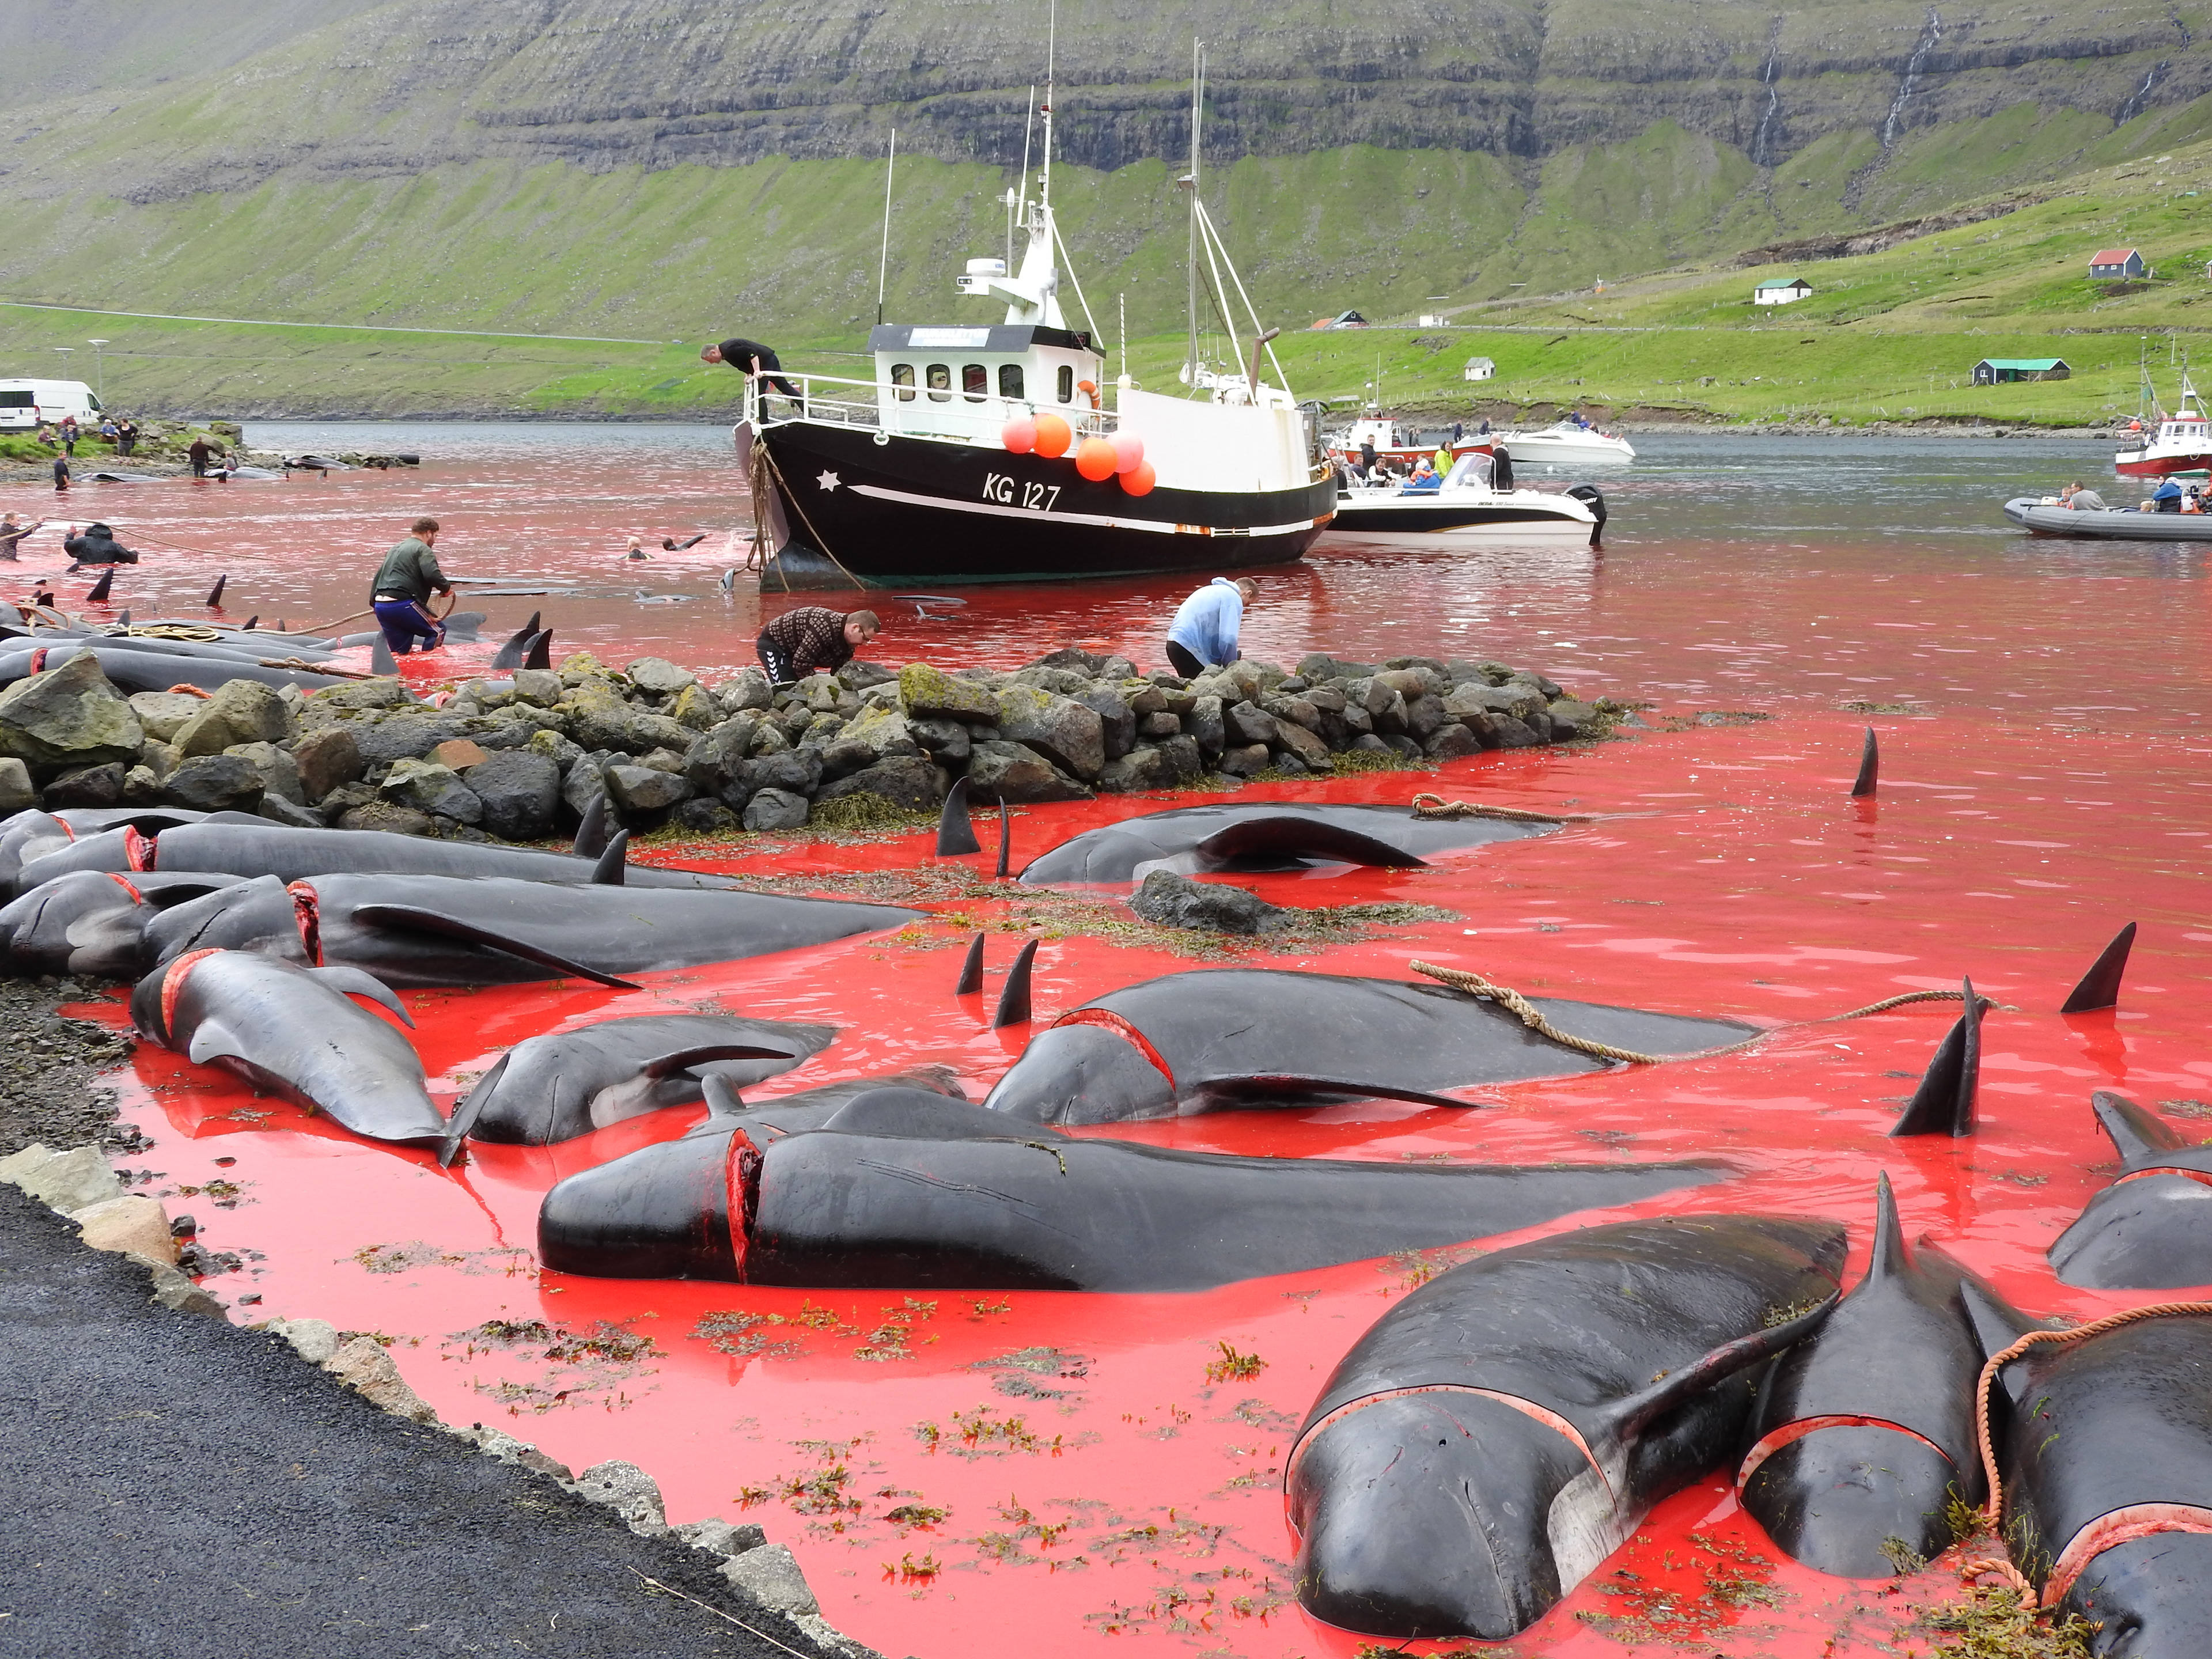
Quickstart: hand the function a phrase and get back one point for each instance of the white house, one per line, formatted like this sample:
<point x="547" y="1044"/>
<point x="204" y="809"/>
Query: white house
<point x="1480" y="369"/>
<point x="1781" y="293"/>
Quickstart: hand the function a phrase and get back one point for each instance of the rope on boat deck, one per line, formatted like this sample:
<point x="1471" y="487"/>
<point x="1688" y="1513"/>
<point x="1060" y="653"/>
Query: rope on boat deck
<point x="2001" y="1565"/>
<point x="1426" y="806"/>
<point x="1463" y="979"/>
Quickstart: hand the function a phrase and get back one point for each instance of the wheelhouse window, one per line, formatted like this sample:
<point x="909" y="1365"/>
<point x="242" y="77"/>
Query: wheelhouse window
<point x="902" y="378"/>
<point x="975" y="382"/>
<point x="1067" y="383"/>
<point x="1010" y="382"/>
<point x="941" y="383"/>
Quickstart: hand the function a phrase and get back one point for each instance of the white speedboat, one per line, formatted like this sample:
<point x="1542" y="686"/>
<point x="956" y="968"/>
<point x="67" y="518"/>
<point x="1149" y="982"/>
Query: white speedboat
<point x="1463" y="509"/>
<point x="1567" y="441"/>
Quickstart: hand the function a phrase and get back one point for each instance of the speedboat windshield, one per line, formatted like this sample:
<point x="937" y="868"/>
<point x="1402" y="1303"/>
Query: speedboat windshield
<point x="1469" y="472"/>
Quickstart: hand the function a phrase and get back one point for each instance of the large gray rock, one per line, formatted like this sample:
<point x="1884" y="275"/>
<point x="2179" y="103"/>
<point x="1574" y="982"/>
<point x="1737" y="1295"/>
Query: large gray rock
<point x="290" y="814"/>
<point x="771" y="1575"/>
<point x="1064" y="732"/>
<point x="1513" y="733"/>
<point x="214" y="783"/>
<point x="429" y="787"/>
<point x="775" y="809"/>
<point x="520" y="792"/>
<point x="913" y="782"/>
<point x="714" y="764"/>
<point x="326" y="757"/>
<point x="539" y="687"/>
<point x="749" y="691"/>
<point x="627" y="1490"/>
<point x="951" y="741"/>
<point x="795" y="771"/>
<point x="704" y="816"/>
<point x="1517" y="700"/>
<point x="279" y="771"/>
<point x="1014" y="773"/>
<point x="719" y="1537"/>
<point x="1424" y="715"/>
<point x="583" y="783"/>
<point x="1243" y="762"/>
<point x="163" y="714"/>
<point x="1579" y="719"/>
<point x="88" y="786"/>
<point x="659" y="675"/>
<point x="1249" y="723"/>
<point x="16" y="793"/>
<point x="388" y="816"/>
<point x="402" y="737"/>
<point x="73" y="1179"/>
<point x="1142" y="768"/>
<point x="1117" y="723"/>
<point x="1182" y="756"/>
<point x="66" y="718"/>
<point x="385" y="693"/>
<point x="638" y="792"/>
<point x="872" y="735"/>
<point x="1306" y="745"/>
<point x="1452" y="742"/>
<point x="1168" y="900"/>
<point x="555" y="748"/>
<point x="254" y="712"/>
<point x="1204" y="722"/>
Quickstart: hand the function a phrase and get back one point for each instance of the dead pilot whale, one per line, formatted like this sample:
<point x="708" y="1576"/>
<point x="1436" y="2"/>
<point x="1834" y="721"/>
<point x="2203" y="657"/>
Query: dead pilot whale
<point x="1499" y="1432"/>
<point x="1265" y="835"/>
<point x="429" y="930"/>
<point x="2104" y="1446"/>
<point x="2152" y="1228"/>
<point x="93" y="922"/>
<point x="901" y="1187"/>
<point x="1863" y="1434"/>
<point x="292" y="1031"/>
<point x="1216" y="1038"/>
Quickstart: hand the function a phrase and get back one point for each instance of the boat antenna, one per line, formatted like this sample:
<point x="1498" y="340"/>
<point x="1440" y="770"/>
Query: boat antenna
<point x="1019" y="194"/>
<point x="884" y="266"/>
<point x="1051" y="46"/>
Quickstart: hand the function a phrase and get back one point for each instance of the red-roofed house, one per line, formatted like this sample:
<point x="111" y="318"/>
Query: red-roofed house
<point x="2116" y="262"/>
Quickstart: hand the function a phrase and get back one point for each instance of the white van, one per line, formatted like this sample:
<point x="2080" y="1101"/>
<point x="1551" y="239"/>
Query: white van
<point x="24" y="403"/>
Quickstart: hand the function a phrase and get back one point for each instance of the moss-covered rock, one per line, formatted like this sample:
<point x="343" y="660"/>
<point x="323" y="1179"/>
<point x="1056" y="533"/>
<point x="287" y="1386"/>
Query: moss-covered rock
<point x="926" y="690"/>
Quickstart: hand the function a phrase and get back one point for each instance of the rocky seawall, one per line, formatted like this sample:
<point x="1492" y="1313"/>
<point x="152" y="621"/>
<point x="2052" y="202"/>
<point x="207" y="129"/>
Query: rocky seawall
<point x="522" y="758"/>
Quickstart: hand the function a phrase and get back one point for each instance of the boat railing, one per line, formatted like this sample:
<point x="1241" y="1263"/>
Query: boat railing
<point x="913" y="412"/>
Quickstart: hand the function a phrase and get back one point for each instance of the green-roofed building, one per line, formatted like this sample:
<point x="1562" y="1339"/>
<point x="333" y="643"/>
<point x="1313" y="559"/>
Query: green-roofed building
<point x="1992" y="370"/>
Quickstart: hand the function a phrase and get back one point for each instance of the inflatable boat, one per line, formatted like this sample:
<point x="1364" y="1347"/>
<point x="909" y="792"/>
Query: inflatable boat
<point x="2042" y="516"/>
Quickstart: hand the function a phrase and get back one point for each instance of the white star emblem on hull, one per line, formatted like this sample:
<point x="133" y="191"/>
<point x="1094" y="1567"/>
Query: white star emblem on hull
<point x="828" y="481"/>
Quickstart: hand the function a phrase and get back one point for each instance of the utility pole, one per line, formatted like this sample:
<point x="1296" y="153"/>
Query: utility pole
<point x="99" y="370"/>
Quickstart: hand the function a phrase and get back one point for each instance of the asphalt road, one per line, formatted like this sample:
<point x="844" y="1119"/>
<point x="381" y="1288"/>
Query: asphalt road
<point x="173" y="1484"/>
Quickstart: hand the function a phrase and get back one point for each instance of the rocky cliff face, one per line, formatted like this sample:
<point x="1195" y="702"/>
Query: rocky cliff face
<point x="603" y="84"/>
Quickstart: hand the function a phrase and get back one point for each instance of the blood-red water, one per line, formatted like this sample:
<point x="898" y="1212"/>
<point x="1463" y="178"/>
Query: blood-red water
<point x="1031" y="1472"/>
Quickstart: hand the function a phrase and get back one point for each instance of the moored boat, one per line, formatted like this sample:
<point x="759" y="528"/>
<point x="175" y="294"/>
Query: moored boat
<point x="983" y="452"/>
<point x="1463" y="509"/>
<point x="2166" y="444"/>
<point x="1399" y="445"/>
<point x="1569" y="440"/>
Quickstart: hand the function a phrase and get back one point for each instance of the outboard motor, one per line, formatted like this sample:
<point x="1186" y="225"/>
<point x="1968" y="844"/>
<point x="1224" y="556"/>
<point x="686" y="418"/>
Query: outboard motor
<point x="1593" y="498"/>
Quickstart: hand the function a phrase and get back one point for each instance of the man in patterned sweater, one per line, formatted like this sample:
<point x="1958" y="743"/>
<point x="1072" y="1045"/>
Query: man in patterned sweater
<point x="811" y="638"/>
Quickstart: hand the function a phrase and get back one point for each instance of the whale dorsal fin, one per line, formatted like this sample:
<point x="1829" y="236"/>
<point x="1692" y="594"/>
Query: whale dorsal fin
<point x="358" y="982"/>
<point x="2100" y="986"/>
<point x="2135" y="1132"/>
<point x="1943" y="1104"/>
<point x="412" y="918"/>
<point x="1890" y="1259"/>
<point x="607" y="872"/>
<point x="591" y="833"/>
<point x="1996" y="1325"/>
<point x="723" y="1099"/>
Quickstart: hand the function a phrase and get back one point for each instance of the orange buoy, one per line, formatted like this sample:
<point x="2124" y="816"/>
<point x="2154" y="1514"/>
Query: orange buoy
<point x="1053" y="436"/>
<point x="1019" y="435"/>
<point x="1128" y="452"/>
<point x="1095" y="459"/>
<point x="1140" y="479"/>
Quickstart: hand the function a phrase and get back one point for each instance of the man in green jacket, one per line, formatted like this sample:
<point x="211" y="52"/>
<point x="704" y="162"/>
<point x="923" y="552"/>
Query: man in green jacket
<point x="401" y="593"/>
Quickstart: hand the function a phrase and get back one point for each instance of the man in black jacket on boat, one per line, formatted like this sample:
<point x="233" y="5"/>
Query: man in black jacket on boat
<point x="750" y="357"/>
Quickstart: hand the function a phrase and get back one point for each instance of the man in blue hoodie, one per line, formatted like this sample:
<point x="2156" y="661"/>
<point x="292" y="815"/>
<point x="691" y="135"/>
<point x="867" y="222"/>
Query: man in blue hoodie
<point x="1204" y="633"/>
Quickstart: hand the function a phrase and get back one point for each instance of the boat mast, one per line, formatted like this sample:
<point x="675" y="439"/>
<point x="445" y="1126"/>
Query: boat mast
<point x="1189" y="182"/>
<point x="884" y="266"/>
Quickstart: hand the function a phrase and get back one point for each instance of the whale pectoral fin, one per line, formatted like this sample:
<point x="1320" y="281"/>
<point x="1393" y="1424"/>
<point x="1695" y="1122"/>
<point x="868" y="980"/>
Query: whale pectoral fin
<point x="1280" y="1085"/>
<point x="2134" y="1131"/>
<point x="358" y="982"/>
<point x="683" y="1060"/>
<point x="1627" y="1417"/>
<point x="409" y="918"/>
<point x="468" y="1109"/>
<point x="723" y="1100"/>
<point x="212" y="1040"/>
<point x="1292" y="837"/>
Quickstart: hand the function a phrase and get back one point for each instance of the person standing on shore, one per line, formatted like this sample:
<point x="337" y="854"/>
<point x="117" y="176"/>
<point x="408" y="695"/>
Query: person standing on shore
<point x="1204" y="633"/>
<point x="810" y="639"/>
<point x="750" y="357"/>
<point x="400" y="595"/>
<point x="126" y="435"/>
<point x="200" y="451"/>
<point x="12" y="535"/>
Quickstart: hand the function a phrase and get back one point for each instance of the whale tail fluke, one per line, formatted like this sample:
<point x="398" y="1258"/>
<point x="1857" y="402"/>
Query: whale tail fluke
<point x="971" y="970"/>
<point x="1869" y="766"/>
<point x="955" y="832"/>
<point x="380" y="659"/>
<point x="2100" y="986"/>
<point x="1014" y="996"/>
<point x="1943" y="1104"/>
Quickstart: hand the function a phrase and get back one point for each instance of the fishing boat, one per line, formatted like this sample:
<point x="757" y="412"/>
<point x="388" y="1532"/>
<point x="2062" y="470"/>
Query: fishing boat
<point x="983" y="452"/>
<point x="1568" y="441"/>
<point x="2167" y="444"/>
<point x="1465" y="509"/>
<point x="2042" y="515"/>
<point x="1398" y="445"/>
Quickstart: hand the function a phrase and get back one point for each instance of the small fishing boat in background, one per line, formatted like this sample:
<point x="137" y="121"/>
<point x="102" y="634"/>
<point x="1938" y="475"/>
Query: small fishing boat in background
<point x="1569" y="440"/>
<point x="2042" y="515"/>
<point x="2167" y="444"/>
<point x="1399" y="445"/>
<point x="1464" y="508"/>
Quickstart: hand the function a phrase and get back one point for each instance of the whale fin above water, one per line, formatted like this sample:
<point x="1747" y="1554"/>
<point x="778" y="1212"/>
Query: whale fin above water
<point x="1869" y="768"/>
<point x="2100" y="986"/>
<point x="380" y="659"/>
<point x="971" y="970"/>
<point x="466" y="1111"/>
<point x="956" y="831"/>
<point x="1013" y="1008"/>
<point x="723" y="1100"/>
<point x="2136" y="1133"/>
<point x="1996" y="1323"/>
<point x="592" y="833"/>
<point x="607" y="872"/>
<point x="1254" y="843"/>
<point x="409" y="918"/>
<point x="1943" y="1104"/>
<point x="511" y="653"/>
<point x="539" y="653"/>
<point x="1626" y="1418"/>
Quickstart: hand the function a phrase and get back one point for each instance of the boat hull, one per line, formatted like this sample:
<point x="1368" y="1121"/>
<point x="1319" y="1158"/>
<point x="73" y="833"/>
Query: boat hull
<point x="1552" y="449"/>
<point x="2137" y="464"/>
<point x="893" y="510"/>
<point x="2041" y="519"/>
<point x="1402" y="522"/>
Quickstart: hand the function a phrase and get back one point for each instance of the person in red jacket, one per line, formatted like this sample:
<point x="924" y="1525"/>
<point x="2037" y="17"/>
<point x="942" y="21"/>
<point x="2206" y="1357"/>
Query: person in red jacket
<point x="812" y="638"/>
